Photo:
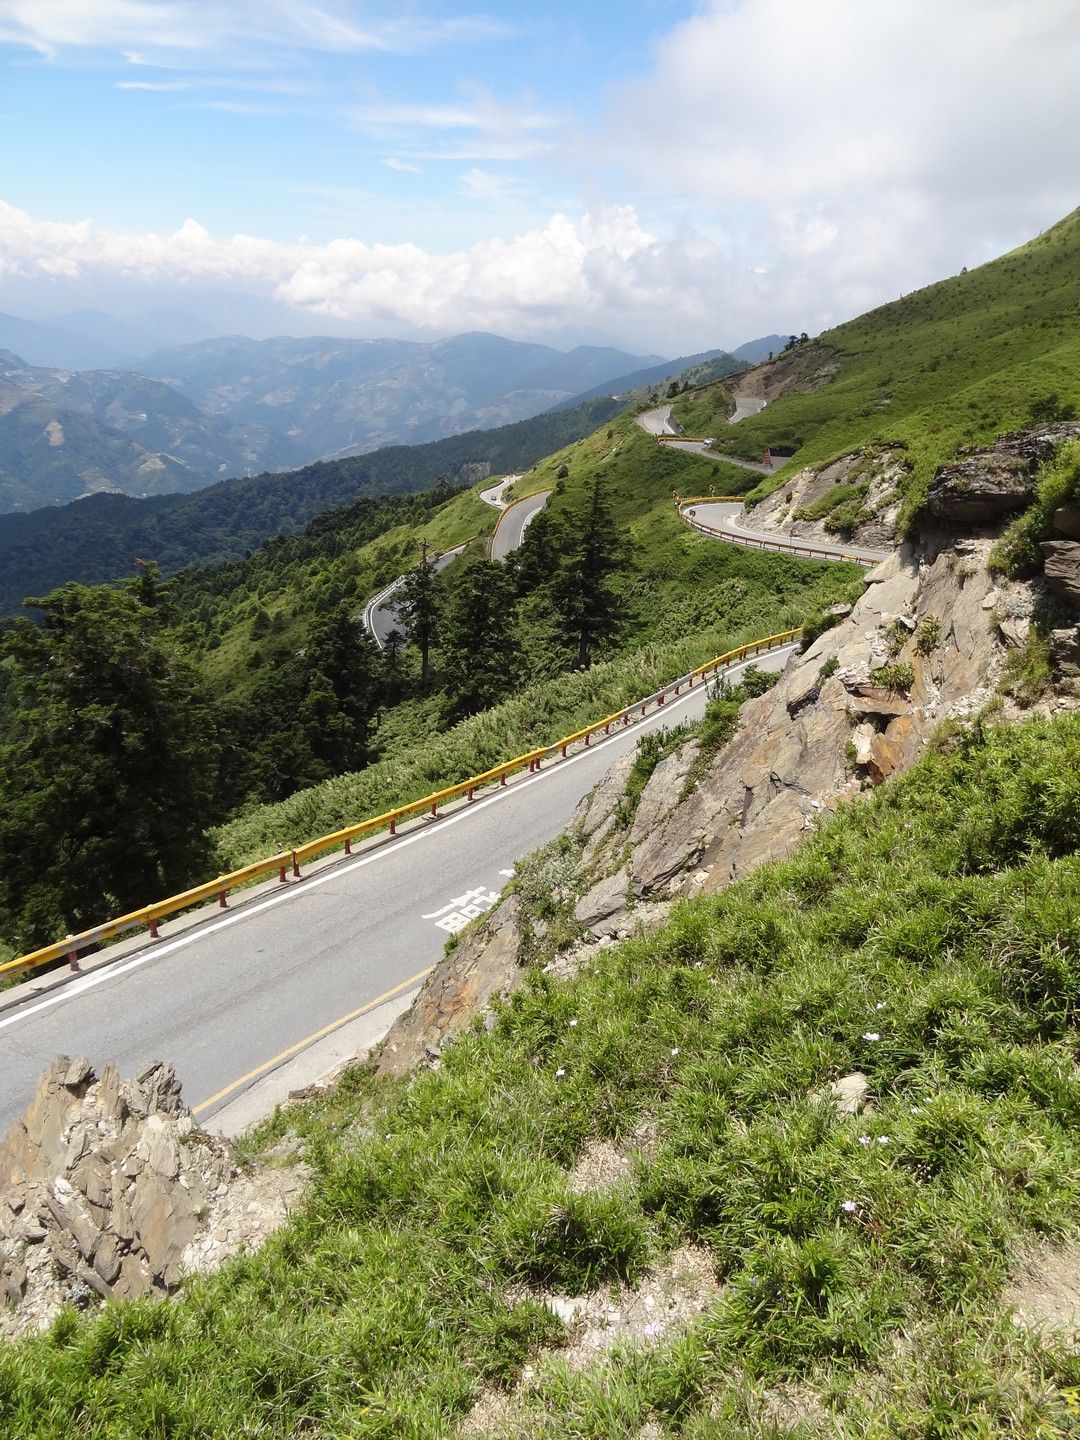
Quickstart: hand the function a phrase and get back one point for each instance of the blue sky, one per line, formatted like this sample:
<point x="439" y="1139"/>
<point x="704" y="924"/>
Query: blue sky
<point x="670" y="173"/>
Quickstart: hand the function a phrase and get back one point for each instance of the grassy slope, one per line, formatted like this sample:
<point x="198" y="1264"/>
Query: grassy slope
<point x="95" y="540"/>
<point x="926" y="936"/>
<point x="686" y="599"/>
<point x="946" y="367"/>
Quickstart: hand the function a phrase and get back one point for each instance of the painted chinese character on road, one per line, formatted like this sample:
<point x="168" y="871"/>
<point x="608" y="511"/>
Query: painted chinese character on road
<point x="456" y="914"/>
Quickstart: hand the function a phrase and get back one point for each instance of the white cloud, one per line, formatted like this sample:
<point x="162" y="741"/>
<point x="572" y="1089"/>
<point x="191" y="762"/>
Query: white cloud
<point x="175" y="31"/>
<point x="854" y="150"/>
<point x="603" y="269"/>
<point x="393" y="163"/>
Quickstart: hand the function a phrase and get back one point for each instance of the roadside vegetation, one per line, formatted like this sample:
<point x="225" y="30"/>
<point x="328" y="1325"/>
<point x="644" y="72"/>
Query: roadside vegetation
<point x="944" y="369"/>
<point x="858" y="1268"/>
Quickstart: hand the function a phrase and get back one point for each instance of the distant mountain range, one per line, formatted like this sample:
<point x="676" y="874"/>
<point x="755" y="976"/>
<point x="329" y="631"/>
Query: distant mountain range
<point x="68" y="434"/>
<point x="196" y="413"/>
<point x="344" y="397"/>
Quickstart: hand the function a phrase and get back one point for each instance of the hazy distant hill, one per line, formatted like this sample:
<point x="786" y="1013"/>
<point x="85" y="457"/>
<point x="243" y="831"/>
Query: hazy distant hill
<point x="66" y="434"/>
<point x="41" y="343"/>
<point x="99" y="538"/>
<point x="335" y="397"/>
<point x="754" y="351"/>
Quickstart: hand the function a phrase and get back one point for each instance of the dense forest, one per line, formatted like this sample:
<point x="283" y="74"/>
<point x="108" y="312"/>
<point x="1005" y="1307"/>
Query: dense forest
<point x="102" y="538"/>
<point x="118" y="750"/>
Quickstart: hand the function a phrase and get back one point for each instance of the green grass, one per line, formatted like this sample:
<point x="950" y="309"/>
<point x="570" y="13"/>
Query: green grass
<point x="418" y="761"/>
<point x="944" y="369"/>
<point x="927" y="936"/>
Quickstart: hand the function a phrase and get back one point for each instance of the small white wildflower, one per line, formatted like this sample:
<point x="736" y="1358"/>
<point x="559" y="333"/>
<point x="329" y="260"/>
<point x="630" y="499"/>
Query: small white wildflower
<point x="916" y="1109"/>
<point x="653" y="1329"/>
<point x="864" y="1139"/>
<point x="849" y="1207"/>
<point x="880" y="1005"/>
<point x="674" y="1052"/>
<point x="572" y="1024"/>
<point x="560" y="1072"/>
<point x="884" y="1140"/>
<point x="871" y="1035"/>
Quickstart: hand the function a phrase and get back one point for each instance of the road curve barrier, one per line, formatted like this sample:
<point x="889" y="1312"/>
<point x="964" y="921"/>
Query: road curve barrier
<point x="760" y="542"/>
<point x="287" y="863"/>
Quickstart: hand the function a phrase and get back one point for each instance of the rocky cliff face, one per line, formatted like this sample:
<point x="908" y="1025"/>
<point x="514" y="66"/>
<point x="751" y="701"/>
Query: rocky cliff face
<point x="869" y="501"/>
<point x="109" y="1189"/>
<point x="929" y="641"/>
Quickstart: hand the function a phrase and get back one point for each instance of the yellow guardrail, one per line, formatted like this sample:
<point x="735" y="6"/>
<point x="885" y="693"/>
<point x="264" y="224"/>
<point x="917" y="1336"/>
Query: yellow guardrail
<point x="288" y="862"/>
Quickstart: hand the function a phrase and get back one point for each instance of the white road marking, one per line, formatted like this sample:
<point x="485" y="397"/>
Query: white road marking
<point x="169" y="947"/>
<point x="456" y="914"/>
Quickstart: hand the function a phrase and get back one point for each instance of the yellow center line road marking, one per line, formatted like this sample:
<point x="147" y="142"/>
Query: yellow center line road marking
<point x="310" y="1040"/>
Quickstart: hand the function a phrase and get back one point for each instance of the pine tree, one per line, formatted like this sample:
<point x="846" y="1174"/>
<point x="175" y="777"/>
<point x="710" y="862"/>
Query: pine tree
<point x="420" y="611"/>
<point x="586" y="603"/>
<point x="107" y="771"/>
<point x="480" y="660"/>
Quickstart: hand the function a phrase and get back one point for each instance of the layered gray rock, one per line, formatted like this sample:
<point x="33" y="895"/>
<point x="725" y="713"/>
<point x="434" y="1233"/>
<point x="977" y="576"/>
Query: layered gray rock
<point x="106" y="1185"/>
<point x="1061" y="566"/>
<point x="993" y="484"/>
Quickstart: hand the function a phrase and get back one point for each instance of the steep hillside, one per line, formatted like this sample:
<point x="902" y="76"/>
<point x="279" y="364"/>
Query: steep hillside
<point x="803" y="1161"/>
<point x="337" y="397"/>
<point x="69" y="434"/>
<point x="98" y="539"/>
<point x="944" y="369"/>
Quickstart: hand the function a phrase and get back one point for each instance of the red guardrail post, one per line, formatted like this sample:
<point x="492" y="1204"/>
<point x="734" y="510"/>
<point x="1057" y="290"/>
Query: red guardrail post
<point x="295" y="866"/>
<point x="222" y="899"/>
<point x="470" y="794"/>
<point x="348" y="847"/>
<point x="280" y="876"/>
<point x="153" y="924"/>
<point x="73" y="958"/>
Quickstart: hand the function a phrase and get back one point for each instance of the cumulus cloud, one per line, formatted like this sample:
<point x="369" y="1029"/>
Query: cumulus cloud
<point x="602" y="269"/>
<point x="858" y="149"/>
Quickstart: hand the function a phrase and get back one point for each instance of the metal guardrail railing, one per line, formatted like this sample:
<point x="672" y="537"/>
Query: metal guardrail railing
<point x="287" y="863"/>
<point x="759" y="542"/>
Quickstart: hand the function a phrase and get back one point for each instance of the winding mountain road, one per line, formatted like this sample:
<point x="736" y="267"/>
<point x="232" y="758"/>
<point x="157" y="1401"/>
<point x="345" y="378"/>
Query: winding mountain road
<point x="233" y="996"/>
<point x="381" y="612"/>
<point x="722" y="520"/>
<point x="513" y="523"/>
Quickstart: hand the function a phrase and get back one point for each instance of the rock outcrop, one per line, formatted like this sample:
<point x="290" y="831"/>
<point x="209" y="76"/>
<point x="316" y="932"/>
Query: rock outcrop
<point x="991" y="485"/>
<point x="784" y="511"/>
<point x="927" y="641"/>
<point x="109" y="1189"/>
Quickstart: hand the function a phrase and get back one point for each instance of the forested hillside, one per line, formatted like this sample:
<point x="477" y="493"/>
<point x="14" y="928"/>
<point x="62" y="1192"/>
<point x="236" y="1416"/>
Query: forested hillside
<point x="100" y="538"/>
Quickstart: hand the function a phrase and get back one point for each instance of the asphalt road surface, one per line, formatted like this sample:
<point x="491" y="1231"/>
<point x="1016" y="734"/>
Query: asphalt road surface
<point x="381" y="614"/>
<point x="728" y="521"/>
<point x="659" y="422"/>
<point x="225" y="997"/>
<point x="513" y="522"/>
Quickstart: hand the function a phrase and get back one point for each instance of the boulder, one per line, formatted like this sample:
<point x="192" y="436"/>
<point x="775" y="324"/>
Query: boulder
<point x="603" y="908"/>
<point x="1066" y="521"/>
<point x="986" y="487"/>
<point x="483" y="965"/>
<point x="1065" y="649"/>
<point x="1061" y="566"/>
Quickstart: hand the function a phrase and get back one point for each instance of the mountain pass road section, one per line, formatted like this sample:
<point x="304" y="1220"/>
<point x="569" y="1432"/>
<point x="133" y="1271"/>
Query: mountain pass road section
<point x="381" y="615"/>
<point x="513" y="522"/>
<point x="223" y="998"/>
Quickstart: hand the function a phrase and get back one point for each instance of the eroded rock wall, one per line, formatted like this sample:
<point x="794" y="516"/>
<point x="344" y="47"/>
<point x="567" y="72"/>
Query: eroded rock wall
<point x="108" y="1189"/>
